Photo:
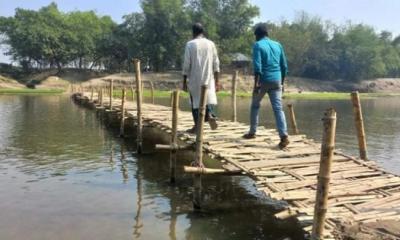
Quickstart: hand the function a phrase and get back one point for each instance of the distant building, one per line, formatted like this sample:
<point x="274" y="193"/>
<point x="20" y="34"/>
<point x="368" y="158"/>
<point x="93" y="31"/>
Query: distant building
<point x="239" y="60"/>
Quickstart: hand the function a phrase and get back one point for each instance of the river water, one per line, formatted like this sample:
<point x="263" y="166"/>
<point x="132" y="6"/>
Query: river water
<point x="64" y="175"/>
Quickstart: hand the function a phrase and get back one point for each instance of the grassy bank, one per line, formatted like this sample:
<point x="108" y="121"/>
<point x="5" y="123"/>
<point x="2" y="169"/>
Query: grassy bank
<point x="335" y="95"/>
<point x="299" y="96"/>
<point x="30" y="91"/>
<point x="222" y="94"/>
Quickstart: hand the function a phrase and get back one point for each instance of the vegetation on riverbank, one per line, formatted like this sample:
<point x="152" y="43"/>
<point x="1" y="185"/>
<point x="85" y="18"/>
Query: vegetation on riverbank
<point x="30" y="91"/>
<point x="49" y="38"/>
<point x="299" y="96"/>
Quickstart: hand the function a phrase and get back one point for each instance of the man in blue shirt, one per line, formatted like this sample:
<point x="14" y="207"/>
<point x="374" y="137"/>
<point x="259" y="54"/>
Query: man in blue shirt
<point x="270" y="70"/>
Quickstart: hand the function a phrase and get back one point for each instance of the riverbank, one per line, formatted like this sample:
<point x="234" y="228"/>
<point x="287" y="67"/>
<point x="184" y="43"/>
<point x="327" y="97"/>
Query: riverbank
<point x="295" y="88"/>
<point x="173" y="79"/>
<point x="16" y="91"/>
<point x="287" y="95"/>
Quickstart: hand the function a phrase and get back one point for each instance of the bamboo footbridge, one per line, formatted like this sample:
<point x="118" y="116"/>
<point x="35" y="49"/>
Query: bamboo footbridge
<point x="359" y="190"/>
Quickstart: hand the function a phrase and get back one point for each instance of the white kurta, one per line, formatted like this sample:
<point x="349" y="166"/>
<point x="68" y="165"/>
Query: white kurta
<point x="200" y="63"/>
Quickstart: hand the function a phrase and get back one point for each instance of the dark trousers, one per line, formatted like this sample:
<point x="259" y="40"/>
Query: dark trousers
<point x="195" y="112"/>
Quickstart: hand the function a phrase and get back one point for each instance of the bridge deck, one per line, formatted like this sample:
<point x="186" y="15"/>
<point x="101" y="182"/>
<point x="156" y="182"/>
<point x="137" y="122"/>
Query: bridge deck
<point x="360" y="191"/>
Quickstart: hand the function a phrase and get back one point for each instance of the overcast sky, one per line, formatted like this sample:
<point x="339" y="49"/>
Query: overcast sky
<point x="381" y="14"/>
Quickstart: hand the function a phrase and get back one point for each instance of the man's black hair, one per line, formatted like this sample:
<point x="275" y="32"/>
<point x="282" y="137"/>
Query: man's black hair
<point x="197" y="29"/>
<point x="261" y="30"/>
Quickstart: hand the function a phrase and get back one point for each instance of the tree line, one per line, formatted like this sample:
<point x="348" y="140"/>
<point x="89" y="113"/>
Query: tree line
<point x="49" y="38"/>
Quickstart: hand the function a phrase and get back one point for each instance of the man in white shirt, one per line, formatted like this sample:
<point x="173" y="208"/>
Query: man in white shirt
<point x="201" y="67"/>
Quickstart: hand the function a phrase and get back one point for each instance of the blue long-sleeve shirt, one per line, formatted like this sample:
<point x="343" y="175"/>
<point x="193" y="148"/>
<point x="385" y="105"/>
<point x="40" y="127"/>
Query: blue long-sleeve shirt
<point x="269" y="60"/>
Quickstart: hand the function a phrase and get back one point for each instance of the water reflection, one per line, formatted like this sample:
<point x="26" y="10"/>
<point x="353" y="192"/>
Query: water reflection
<point x="63" y="175"/>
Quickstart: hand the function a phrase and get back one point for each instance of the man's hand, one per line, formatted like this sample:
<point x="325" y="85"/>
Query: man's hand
<point x="257" y="84"/>
<point x="184" y="85"/>
<point x="218" y="87"/>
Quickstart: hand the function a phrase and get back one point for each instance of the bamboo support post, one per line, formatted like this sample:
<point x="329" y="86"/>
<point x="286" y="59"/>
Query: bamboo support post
<point x="359" y="122"/>
<point x="122" y="126"/>
<point x="200" y="124"/>
<point x="139" y="89"/>
<point x="101" y="96"/>
<point x="143" y="89"/>
<point x="233" y="94"/>
<point x="293" y="122"/>
<point x="174" y="135"/>
<point x="198" y="161"/>
<point x="91" y="93"/>
<point x="327" y="150"/>
<point x="111" y="93"/>
<point x="171" y="99"/>
<point x="105" y="92"/>
<point x="152" y="91"/>
<point x="133" y="94"/>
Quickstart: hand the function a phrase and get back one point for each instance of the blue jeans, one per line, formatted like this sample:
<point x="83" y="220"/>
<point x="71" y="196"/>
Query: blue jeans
<point x="274" y="91"/>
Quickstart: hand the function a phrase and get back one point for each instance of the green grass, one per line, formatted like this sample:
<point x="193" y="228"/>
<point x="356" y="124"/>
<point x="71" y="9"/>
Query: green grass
<point x="335" y="95"/>
<point x="30" y="91"/>
<point x="147" y="93"/>
<point x="299" y="96"/>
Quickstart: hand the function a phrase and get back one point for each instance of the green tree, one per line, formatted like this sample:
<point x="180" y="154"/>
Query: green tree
<point x="227" y="22"/>
<point x="165" y="22"/>
<point x="38" y="36"/>
<point x="358" y="52"/>
<point x="88" y="30"/>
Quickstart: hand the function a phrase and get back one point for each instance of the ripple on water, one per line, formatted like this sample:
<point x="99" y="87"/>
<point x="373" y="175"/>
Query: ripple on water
<point x="64" y="164"/>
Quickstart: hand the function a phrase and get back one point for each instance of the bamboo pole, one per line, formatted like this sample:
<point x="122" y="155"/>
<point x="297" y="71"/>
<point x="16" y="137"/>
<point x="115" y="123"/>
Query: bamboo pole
<point x="327" y="150"/>
<point x="200" y="123"/>
<point x="122" y="126"/>
<point x="233" y="94"/>
<point x="198" y="161"/>
<point x="111" y="93"/>
<point x="199" y="170"/>
<point x="101" y="97"/>
<point x="91" y="93"/>
<point x="105" y="92"/>
<point x="163" y="147"/>
<point x="359" y="122"/>
<point x="139" y="89"/>
<point x="293" y="122"/>
<point x="152" y="91"/>
<point x="133" y="93"/>
<point x="174" y="136"/>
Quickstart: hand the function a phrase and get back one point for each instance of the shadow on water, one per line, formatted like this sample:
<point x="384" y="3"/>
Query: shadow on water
<point x="65" y="175"/>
